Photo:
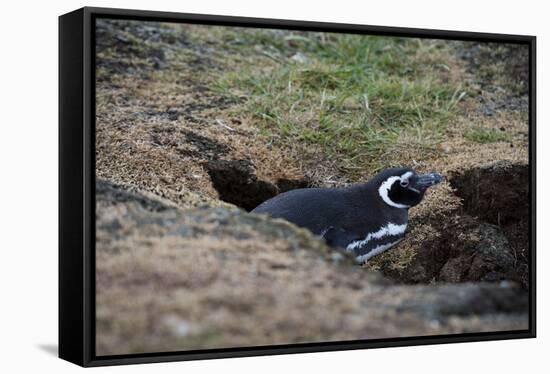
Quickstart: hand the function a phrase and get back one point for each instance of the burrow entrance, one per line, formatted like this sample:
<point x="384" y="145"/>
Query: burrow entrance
<point x="237" y="183"/>
<point x="497" y="193"/>
<point x="486" y="240"/>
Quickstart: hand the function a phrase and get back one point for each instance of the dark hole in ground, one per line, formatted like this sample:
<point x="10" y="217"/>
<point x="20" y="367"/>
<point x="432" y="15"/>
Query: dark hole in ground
<point x="497" y="193"/>
<point x="486" y="240"/>
<point x="236" y="183"/>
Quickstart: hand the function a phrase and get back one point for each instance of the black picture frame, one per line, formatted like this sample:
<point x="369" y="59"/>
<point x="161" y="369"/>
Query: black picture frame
<point x="77" y="186"/>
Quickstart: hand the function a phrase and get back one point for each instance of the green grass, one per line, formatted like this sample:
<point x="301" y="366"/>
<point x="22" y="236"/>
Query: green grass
<point x="483" y="135"/>
<point x="354" y="96"/>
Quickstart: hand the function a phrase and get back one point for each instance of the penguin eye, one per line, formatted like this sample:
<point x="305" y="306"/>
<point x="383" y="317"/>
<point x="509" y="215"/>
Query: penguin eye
<point x="404" y="183"/>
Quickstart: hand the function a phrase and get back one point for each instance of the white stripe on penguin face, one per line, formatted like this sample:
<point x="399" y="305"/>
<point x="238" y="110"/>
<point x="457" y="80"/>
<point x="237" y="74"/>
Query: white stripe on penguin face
<point x="407" y="175"/>
<point x="385" y="188"/>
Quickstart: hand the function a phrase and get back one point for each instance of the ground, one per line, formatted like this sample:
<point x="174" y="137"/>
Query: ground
<point x="192" y="117"/>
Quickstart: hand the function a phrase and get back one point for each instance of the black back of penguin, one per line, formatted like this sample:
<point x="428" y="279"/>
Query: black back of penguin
<point x="317" y="209"/>
<point x="311" y="208"/>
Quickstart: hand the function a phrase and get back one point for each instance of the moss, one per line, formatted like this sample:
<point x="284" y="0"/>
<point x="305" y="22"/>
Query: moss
<point x="482" y="135"/>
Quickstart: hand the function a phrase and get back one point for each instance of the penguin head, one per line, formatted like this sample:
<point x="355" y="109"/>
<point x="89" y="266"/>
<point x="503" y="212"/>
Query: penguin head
<point x="402" y="187"/>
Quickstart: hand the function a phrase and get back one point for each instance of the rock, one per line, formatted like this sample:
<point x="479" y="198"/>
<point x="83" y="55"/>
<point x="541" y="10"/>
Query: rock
<point x="491" y="256"/>
<point x="487" y="257"/>
<point x="175" y="279"/>
<point x="452" y="270"/>
<point x="299" y="57"/>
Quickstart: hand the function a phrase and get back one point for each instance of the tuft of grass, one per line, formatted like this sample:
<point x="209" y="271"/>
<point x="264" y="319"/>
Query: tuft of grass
<point x="352" y="95"/>
<point x="484" y="135"/>
<point x="395" y="260"/>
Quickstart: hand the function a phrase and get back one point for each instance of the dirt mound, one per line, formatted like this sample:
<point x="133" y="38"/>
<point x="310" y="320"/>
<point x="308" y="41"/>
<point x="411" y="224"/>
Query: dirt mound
<point x="172" y="279"/>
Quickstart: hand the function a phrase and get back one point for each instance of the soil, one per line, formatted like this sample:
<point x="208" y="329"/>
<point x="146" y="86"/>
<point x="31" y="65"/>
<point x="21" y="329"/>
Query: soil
<point x="495" y="193"/>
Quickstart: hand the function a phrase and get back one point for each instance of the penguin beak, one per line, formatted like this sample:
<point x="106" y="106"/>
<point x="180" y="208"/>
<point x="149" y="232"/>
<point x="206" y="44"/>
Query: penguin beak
<point x="422" y="182"/>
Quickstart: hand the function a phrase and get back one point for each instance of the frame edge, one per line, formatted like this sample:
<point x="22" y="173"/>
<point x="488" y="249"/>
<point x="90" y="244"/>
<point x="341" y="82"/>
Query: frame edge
<point x="71" y="234"/>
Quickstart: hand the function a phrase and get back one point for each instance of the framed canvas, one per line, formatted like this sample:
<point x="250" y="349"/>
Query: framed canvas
<point x="236" y="186"/>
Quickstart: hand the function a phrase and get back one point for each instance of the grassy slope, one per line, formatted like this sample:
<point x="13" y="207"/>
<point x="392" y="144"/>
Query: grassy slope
<point x="354" y="98"/>
<point x="333" y="108"/>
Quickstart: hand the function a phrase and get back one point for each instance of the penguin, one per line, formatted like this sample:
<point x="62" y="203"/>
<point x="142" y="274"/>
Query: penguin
<point x="365" y="219"/>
